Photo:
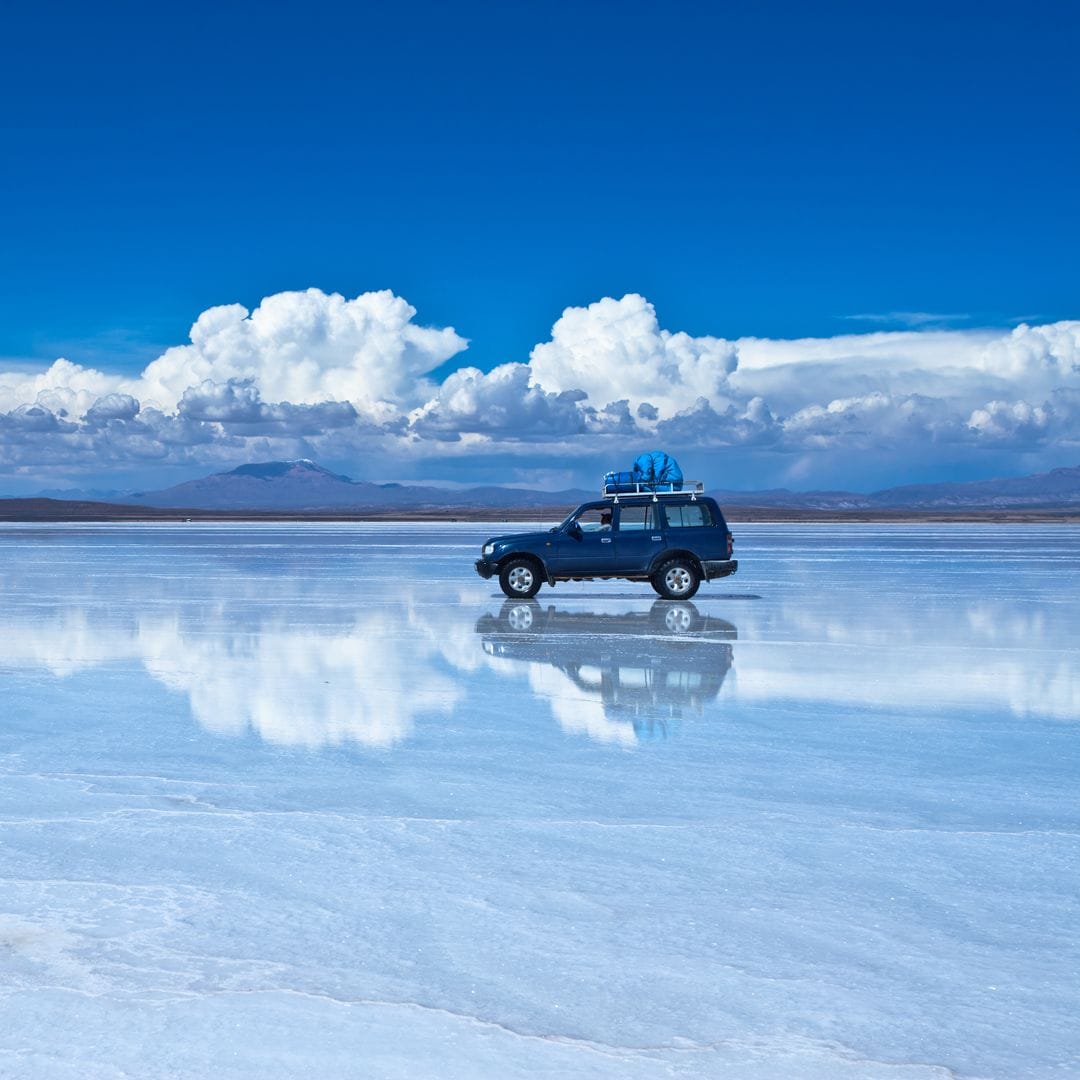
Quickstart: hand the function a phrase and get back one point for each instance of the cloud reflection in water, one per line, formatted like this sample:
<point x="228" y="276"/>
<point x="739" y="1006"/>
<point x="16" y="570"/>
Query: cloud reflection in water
<point x="314" y="639"/>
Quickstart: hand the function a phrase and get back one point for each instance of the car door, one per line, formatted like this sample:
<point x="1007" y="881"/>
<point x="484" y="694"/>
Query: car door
<point x="638" y="537"/>
<point x="589" y="548"/>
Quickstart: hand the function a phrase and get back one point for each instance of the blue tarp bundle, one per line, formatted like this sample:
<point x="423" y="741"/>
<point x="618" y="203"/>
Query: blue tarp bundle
<point x="652" y="471"/>
<point x="659" y="470"/>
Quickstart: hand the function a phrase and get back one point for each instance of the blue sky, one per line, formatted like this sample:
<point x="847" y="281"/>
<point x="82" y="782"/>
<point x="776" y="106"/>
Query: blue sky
<point x="768" y="171"/>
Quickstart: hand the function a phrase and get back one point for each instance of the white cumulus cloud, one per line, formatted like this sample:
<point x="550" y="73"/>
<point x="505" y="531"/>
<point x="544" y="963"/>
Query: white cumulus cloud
<point x="307" y="348"/>
<point x="314" y="374"/>
<point x="616" y="349"/>
<point x="501" y="403"/>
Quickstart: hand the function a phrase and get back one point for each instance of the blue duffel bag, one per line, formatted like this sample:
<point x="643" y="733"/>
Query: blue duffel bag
<point x="619" y="483"/>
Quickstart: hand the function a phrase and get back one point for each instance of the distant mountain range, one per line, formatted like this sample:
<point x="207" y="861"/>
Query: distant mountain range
<point x="299" y="486"/>
<point x="303" y="485"/>
<point x="1058" y="488"/>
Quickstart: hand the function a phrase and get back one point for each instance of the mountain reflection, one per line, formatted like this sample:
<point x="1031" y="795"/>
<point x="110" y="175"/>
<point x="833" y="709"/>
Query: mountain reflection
<point x="616" y="677"/>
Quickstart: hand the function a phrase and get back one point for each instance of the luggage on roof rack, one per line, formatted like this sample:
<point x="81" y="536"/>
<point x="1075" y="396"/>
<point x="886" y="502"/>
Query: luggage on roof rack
<point x="654" y="473"/>
<point x="619" y="483"/>
<point x="658" y="469"/>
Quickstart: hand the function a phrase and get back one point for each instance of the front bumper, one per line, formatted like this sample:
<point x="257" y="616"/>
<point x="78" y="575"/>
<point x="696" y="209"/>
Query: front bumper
<point x="485" y="568"/>
<point x="719" y="568"/>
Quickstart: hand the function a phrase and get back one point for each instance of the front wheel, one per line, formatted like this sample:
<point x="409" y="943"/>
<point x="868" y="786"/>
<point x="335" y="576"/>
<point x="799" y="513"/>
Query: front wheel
<point x="520" y="579"/>
<point x="677" y="579"/>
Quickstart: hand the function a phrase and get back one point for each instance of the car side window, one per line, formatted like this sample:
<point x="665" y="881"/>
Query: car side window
<point x="688" y="516"/>
<point x="595" y="519"/>
<point x="636" y="518"/>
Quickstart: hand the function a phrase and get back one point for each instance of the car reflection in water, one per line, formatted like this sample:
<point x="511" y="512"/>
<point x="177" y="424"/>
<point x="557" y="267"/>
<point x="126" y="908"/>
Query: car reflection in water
<point x="647" y="669"/>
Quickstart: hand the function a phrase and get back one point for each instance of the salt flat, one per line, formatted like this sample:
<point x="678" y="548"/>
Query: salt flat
<point x="314" y="800"/>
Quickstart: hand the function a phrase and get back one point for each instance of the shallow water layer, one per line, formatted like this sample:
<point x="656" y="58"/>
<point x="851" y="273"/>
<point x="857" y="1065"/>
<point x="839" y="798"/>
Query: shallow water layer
<point x="296" y="800"/>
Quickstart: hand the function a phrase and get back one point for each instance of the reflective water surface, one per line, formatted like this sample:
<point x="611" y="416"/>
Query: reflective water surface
<point x="291" y="800"/>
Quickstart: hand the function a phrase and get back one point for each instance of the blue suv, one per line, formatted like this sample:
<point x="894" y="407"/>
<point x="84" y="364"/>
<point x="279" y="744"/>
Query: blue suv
<point x="674" y="540"/>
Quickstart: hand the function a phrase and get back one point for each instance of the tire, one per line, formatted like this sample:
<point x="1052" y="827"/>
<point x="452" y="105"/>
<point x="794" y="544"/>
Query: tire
<point x="677" y="579"/>
<point x="520" y="579"/>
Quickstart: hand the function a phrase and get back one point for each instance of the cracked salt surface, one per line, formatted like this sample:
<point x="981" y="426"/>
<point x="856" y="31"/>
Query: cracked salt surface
<point x="312" y="800"/>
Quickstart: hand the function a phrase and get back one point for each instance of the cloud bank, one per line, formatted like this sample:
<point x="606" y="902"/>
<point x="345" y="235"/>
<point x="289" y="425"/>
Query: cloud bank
<point x="318" y="375"/>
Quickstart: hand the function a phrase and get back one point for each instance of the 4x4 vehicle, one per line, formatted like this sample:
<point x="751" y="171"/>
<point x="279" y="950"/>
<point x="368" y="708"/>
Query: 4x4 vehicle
<point x="673" y="539"/>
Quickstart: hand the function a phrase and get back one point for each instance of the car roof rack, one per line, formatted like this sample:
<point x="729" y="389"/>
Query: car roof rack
<point x="662" y="490"/>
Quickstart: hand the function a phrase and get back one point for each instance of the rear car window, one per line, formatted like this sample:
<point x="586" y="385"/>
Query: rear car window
<point x="636" y="518"/>
<point x="688" y="516"/>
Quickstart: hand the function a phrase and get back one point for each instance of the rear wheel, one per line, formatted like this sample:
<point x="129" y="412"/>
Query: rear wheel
<point x="677" y="579"/>
<point x="520" y="578"/>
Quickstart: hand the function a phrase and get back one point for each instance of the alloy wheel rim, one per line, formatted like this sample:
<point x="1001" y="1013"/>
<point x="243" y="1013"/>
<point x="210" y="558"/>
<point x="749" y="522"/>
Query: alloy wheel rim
<point x="677" y="579"/>
<point x="521" y="578"/>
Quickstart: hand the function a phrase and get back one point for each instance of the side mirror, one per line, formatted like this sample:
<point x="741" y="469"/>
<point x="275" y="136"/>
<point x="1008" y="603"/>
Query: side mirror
<point x="574" y="529"/>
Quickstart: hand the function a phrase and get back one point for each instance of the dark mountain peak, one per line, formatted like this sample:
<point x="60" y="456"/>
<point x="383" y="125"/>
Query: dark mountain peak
<point x="272" y="470"/>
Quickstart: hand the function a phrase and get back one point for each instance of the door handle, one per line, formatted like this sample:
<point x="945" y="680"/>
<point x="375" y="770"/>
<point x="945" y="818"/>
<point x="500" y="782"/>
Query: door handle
<point x="658" y="538"/>
<point x="605" y="540"/>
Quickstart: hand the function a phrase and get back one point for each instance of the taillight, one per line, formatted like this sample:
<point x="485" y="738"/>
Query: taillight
<point x="730" y="544"/>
